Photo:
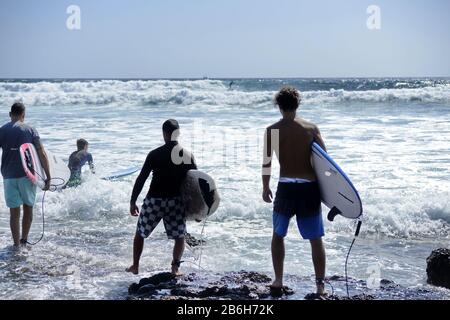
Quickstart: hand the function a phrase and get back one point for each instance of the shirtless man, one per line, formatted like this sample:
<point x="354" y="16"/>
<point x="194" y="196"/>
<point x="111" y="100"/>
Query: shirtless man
<point x="298" y="191"/>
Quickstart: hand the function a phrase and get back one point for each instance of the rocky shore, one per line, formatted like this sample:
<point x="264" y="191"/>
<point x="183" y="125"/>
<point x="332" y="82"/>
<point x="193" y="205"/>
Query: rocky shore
<point x="248" y="285"/>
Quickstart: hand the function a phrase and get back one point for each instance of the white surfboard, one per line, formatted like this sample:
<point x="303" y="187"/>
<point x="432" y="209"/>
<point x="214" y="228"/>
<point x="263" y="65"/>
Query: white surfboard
<point x="59" y="171"/>
<point x="337" y="191"/>
<point x="122" y="173"/>
<point x="199" y="194"/>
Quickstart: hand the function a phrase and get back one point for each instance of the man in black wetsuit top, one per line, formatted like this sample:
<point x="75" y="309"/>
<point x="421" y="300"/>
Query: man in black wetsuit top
<point x="169" y="164"/>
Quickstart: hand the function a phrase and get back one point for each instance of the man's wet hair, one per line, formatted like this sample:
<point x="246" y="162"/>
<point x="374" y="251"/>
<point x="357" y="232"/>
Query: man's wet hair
<point x="288" y="99"/>
<point x="169" y="126"/>
<point x="81" y="144"/>
<point x="17" y="109"/>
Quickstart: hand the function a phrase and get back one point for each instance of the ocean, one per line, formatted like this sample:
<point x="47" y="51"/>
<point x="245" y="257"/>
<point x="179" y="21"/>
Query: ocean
<point x="391" y="136"/>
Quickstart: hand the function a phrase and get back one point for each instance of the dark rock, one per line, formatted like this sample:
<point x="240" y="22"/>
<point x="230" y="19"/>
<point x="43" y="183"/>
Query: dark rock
<point x="246" y="285"/>
<point x="148" y="289"/>
<point x="288" y="291"/>
<point x="336" y="278"/>
<point x="245" y="290"/>
<point x="174" y="298"/>
<point x="182" y="292"/>
<point x="214" y="291"/>
<point x="385" y="282"/>
<point x="157" y="279"/>
<point x="314" y="296"/>
<point x="246" y="276"/>
<point x="241" y="285"/>
<point x="388" y="285"/>
<point x="438" y="268"/>
<point x="133" y="288"/>
<point x="363" y="297"/>
<point x="153" y="283"/>
<point x="190" y="277"/>
<point x="279" y="292"/>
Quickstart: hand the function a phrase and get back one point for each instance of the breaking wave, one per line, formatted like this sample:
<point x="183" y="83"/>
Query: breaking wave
<point x="196" y="92"/>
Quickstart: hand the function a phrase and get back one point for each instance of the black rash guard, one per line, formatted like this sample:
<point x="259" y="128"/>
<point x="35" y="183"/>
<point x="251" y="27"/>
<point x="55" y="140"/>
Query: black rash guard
<point x="167" y="175"/>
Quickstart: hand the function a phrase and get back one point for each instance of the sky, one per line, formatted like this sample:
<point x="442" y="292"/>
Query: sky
<point x="224" y="38"/>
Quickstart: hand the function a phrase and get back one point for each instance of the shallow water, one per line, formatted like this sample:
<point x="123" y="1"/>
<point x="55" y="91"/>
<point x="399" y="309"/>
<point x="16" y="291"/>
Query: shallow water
<point x="391" y="136"/>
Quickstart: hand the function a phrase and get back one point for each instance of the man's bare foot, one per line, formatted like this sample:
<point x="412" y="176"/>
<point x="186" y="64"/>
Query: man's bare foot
<point x="176" y="268"/>
<point x="133" y="269"/>
<point x="277" y="284"/>
<point x="276" y="289"/>
<point x="176" y="273"/>
<point x="321" y="291"/>
<point x="320" y="284"/>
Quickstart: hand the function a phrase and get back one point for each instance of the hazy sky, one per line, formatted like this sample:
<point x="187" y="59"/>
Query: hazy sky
<point x="224" y="38"/>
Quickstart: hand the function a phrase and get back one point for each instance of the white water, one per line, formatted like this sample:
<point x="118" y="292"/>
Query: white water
<point x="195" y="93"/>
<point x="393" y="145"/>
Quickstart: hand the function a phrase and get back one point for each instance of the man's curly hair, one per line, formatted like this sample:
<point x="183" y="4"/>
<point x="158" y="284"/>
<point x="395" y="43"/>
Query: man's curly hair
<point x="288" y="99"/>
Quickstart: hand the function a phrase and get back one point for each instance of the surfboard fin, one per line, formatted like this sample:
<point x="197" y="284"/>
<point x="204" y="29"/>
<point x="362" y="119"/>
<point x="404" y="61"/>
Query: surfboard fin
<point x="208" y="194"/>
<point x="29" y="161"/>
<point x="333" y="213"/>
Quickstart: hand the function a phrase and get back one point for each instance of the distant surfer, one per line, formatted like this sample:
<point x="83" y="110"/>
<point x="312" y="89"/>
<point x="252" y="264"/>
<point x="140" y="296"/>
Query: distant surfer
<point x="169" y="164"/>
<point x="230" y="85"/>
<point x="77" y="160"/>
<point x="19" y="190"/>
<point x="298" y="191"/>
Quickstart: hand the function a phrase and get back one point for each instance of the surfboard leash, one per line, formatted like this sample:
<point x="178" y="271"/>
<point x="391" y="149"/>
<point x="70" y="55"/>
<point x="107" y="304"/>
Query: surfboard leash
<point x="199" y="258"/>
<point x="43" y="208"/>
<point x="358" y="228"/>
<point x="201" y="238"/>
<point x="43" y="222"/>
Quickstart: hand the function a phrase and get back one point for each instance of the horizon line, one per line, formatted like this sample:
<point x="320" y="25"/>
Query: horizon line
<point x="223" y="78"/>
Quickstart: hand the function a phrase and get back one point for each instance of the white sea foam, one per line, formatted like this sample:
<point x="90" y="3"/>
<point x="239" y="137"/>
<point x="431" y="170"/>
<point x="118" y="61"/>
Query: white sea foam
<point x="188" y="93"/>
<point x="436" y="94"/>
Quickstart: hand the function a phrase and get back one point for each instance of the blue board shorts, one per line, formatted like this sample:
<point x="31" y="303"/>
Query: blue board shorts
<point x="303" y="201"/>
<point x="310" y="228"/>
<point x="20" y="191"/>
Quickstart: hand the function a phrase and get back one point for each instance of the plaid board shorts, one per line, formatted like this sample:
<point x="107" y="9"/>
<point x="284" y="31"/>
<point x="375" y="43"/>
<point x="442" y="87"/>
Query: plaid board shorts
<point x="171" y="210"/>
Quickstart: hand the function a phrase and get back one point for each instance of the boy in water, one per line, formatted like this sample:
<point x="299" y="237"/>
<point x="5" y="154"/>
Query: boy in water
<point x="169" y="164"/>
<point x="77" y="160"/>
<point x="298" y="191"/>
